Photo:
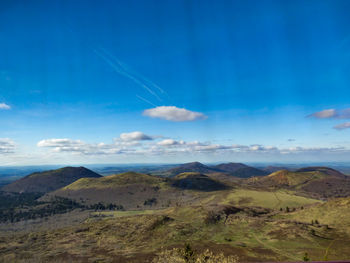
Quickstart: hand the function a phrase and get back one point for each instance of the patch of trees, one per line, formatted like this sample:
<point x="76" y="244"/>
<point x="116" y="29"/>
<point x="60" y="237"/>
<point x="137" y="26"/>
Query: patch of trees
<point x="150" y="201"/>
<point x="36" y="209"/>
<point x="13" y="200"/>
<point x="101" y="206"/>
<point x="15" y="207"/>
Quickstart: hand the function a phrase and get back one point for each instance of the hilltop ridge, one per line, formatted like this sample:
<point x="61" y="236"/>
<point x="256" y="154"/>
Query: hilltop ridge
<point x="44" y="182"/>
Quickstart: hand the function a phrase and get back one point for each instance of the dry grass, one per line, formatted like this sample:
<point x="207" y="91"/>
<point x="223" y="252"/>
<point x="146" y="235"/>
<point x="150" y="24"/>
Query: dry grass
<point x="177" y="255"/>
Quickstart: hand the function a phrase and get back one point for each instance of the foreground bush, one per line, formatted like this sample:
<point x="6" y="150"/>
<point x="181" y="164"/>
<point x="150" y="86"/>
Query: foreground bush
<point x="177" y="255"/>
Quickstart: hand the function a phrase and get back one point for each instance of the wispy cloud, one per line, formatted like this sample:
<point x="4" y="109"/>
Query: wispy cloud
<point x="342" y="126"/>
<point x="172" y="113"/>
<point x="332" y="114"/>
<point x="324" y="114"/>
<point x="7" y="146"/>
<point x="4" y="106"/>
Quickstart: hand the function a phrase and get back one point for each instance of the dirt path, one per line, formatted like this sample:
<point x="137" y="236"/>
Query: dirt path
<point x="279" y="200"/>
<point x="327" y="250"/>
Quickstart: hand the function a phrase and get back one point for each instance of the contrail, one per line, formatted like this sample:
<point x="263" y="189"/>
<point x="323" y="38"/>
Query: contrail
<point x="125" y="73"/>
<point x="146" y="100"/>
<point x="122" y="69"/>
<point x="127" y="69"/>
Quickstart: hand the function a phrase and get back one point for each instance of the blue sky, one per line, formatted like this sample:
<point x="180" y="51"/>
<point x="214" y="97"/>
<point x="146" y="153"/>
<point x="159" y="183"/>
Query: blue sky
<point x="186" y="80"/>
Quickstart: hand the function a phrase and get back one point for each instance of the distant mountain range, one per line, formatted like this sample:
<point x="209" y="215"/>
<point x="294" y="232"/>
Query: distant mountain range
<point x="195" y="167"/>
<point x="233" y="169"/>
<point x="240" y="170"/>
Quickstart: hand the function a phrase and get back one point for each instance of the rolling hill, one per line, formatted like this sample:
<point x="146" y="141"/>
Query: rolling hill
<point x="195" y="167"/>
<point x="130" y="190"/>
<point x="44" y="182"/>
<point x="139" y="191"/>
<point x="317" y="182"/>
<point x="325" y="170"/>
<point x="197" y="181"/>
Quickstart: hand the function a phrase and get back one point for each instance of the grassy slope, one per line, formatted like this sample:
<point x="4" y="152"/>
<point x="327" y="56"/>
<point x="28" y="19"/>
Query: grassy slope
<point x="114" y="180"/>
<point x="139" y="234"/>
<point x="335" y="213"/>
<point x="266" y="199"/>
<point x="285" y="177"/>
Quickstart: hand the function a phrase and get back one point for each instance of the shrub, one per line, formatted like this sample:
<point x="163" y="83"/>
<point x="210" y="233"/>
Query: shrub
<point x="177" y="255"/>
<point x="161" y="221"/>
<point x="150" y="201"/>
<point x="306" y="257"/>
<point x="212" y="218"/>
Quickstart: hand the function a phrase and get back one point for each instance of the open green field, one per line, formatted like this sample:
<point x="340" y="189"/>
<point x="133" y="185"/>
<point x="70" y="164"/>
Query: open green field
<point x="267" y="199"/>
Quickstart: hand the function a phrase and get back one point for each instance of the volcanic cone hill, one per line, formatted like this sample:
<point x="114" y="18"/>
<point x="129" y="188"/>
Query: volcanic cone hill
<point x="44" y="182"/>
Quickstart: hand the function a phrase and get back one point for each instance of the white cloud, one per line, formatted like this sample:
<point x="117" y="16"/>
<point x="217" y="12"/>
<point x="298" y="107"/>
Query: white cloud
<point x="170" y="142"/>
<point x="325" y="114"/>
<point x="342" y="126"/>
<point x="126" y="143"/>
<point x="332" y="114"/>
<point x="65" y="145"/>
<point x="262" y="148"/>
<point x="135" y="136"/>
<point x="172" y="113"/>
<point x="7" y="146"/>
<point x="140" y="146"/>
<point x="4" y="106"/>
<point x="59" y="143"/>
